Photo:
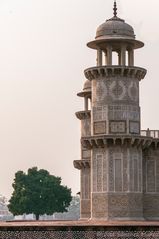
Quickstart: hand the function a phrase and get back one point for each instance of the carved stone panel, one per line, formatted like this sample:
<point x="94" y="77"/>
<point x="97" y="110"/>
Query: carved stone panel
<point x="99" y="170"/>
<point x="124" y="112"/>
<point x="99" y="173"/>
<point x="85" y="208"/>
<point x="99" y="205"/>
<point x="157" y="175"/>
<point x="151" y="169"/>
<point x="118" y="175"/>
<point x="94" y="174"/>
<point x="135" y="170"/>
<point x="141" y="172"/>
<point x="115" y="89"/>
<point x="100" y="127"/>
<point x="150" y="176"/>
<point x="99" y="113"/>
<point x="151" y="206"/>
<point x="105" y="170"/>
<point x="85" y="127"/>
<point x="117" y="127"/>
<point x="111" y="170"/>
<point x="133" y="91"/>
<point x="125" y="205"/>
<point x="99" y="91"/>
<point x="134" y="127"/>
<point x="136" y="173"/>
<point x="85" y="183"/>
<point x="86" y="154"/>
<point x="125" y="170"/>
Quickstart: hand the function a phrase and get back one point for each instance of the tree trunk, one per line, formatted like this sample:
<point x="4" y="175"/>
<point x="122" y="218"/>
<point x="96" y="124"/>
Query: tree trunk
<point x="37" y="217"/>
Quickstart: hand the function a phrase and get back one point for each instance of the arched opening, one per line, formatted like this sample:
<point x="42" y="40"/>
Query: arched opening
<point x="104" y="57"/>
<point x="115" y="58"/>
<point x="87" y="103"/>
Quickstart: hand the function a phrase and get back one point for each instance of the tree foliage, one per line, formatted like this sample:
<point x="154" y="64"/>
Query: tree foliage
<point x="38" y="192"/>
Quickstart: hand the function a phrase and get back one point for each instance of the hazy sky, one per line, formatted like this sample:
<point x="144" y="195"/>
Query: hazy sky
<point x="43" y="55"/>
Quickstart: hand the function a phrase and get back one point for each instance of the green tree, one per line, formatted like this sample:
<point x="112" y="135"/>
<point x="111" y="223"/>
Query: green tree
<point x="38" y="192"/>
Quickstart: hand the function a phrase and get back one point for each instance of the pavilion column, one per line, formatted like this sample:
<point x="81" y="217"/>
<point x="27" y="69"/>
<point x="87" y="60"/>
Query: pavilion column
<point x="99" y="57"/>
<point x="119" y="58"/>
<point x="123" y="55"/>
<point x="109" y="55"/>
<point x="85" y="103"/>
<point x="105" y="54"/>
<point x="131" y="57"/>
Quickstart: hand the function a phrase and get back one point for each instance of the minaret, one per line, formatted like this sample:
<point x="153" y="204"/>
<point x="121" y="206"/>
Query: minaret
<point x="84" y="164"/>
<point x="111" y="144"/>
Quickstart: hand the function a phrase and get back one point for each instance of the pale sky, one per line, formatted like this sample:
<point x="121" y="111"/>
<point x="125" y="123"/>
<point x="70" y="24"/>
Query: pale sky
<point x="43" y="55"/>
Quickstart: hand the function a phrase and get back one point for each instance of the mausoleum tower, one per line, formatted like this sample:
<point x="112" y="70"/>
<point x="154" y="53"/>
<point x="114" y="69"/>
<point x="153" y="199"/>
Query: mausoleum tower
<point x="112" y="147"/>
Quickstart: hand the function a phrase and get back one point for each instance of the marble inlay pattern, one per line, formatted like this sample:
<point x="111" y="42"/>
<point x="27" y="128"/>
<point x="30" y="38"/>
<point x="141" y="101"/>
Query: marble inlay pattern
<point x="79" y="234"/>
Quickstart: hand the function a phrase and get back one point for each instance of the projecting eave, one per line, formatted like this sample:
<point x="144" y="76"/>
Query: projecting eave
<point x="133" y="140"/>
<point x="101" y="42"/>
<point x="84" y="94"/>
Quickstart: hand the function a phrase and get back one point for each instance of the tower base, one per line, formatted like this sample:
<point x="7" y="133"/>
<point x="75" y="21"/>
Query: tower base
<point x="117" y="206"/>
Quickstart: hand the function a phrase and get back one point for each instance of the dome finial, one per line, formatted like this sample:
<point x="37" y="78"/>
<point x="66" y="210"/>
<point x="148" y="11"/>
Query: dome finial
<point x="115" y="8"/>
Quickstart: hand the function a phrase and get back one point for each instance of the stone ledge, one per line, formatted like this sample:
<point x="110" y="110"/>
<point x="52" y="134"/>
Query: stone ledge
<point x="81" y="223"/>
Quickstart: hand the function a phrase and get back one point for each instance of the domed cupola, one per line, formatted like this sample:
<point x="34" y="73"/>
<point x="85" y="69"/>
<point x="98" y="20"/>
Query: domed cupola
<point x="86" y="90"/>
<point x="87" y="86"/>
<point x="86" y="93"/>
<point x="115" y="29"/>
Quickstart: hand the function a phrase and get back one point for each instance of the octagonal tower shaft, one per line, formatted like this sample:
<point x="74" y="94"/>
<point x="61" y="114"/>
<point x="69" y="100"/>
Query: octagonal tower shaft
<point x="111" y="148"/>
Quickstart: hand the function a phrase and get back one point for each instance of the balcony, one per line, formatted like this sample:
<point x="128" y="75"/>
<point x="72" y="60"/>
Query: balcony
<point x="111" y="71"/>
<point x="81" y="164"/>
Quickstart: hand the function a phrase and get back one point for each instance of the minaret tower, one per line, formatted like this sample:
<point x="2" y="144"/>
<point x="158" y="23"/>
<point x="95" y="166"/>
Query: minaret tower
<point x="111" y="143"/>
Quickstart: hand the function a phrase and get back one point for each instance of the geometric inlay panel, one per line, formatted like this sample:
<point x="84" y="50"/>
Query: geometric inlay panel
<point x="100" y="127"/>
<point x="133" y="91"/>
<point x="99" y="113"/>
<point x="85" y="127"/>
<point x="134" y="127"/>
<point x="124" y="112"/>
<point x="117" y="90"/>
<point x="117" y="126"/>
<point x="99" y="91"/>
<point x="118" y="175"/>
<point x="150" y="176"/>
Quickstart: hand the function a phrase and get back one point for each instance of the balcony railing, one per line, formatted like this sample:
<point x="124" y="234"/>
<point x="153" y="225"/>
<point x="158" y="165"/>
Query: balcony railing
<point x="150" y="133"/>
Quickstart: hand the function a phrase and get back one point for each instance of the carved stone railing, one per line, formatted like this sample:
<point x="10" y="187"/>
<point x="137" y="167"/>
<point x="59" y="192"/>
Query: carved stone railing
<point x="150" y="133"/>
